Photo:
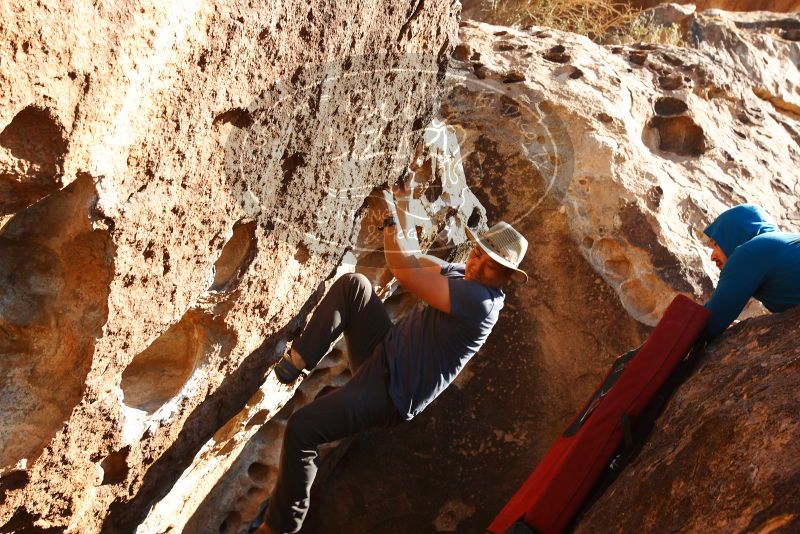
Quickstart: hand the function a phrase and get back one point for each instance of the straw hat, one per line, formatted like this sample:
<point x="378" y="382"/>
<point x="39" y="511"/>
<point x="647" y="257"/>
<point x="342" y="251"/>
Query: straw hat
<point x="504" y="245"/>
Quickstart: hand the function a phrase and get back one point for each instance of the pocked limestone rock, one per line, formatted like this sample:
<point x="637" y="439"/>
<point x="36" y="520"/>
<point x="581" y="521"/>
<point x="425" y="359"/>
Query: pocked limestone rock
<point x="176" y="181"/>
<point x="611" y="160"/>
<point x="186" y="112"/>
<point x="660" y="139"/>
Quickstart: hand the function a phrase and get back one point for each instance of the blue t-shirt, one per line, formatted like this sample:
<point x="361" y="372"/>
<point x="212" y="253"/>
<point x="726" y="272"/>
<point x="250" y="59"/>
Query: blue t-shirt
<point x="763" y="263"/>
<point x="427" y="348"/>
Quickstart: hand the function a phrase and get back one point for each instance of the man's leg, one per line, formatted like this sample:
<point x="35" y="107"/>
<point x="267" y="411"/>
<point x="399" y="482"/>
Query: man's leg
<point x="350" y="306"/>
<point x="362" y="403"/>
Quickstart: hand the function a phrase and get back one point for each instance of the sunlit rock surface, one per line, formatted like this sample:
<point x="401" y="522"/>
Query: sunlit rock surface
<point x="180" y="184"/>
<point x="177" y="180"/>
<point x="661" y="139"/>
<point x="611" y="160"/>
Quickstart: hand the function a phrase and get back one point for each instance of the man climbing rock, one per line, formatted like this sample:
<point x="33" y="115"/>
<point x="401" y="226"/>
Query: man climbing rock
<point x="756" y="260"/>
<point x="398" y="369"/>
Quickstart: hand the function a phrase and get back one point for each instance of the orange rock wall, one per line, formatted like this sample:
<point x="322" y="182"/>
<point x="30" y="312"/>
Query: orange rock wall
<point x="176" y="181"/>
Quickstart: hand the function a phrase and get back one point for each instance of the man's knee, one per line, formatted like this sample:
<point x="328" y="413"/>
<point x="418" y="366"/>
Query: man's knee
<point x="300" y="429"/>
<point x="357" y="284"/>
<point x="355" y="280"/>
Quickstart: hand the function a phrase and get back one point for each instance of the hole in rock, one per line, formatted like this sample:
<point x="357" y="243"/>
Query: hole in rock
<point x="568" y="71"/>
<point x="25" y="521"/>
<point x="236" y="256"/>
<point x="434" y="190"/>
<point x="33" y="148"/>
<point x="514" y="76"/>
<point x="474" y="218"/>
<point x="238" y="117"/>
<point x="258" y="472"/>
<point x="668" y="105"/>
<point x="259" y="418"/>
<point x="671" y="82"/>
<point x="654" y="196"/>
<point x="672" y="60"/>
<point x="115" y="466"/>
<point x="605" y="117"/>
<point x="462" y="52"/>
<point x="284" y="413"/>
<point x="55" y="273"/>
<point x="791" y="35"/>
<point x="679" y="135"/>
<point x="302" y="254"/>
<point x="158" y="373"/>
<point x="290" y="164"/>
<point x="637" y="58"/>
<point x="557" y="54"/>
<point x="231" y="522"/>
<point x="481" y="72"/>
<point x="13" y="480"/>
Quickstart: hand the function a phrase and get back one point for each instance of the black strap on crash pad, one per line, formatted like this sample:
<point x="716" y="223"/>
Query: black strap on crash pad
<point x="520" y="527"/>
<point x="636" y="434"/>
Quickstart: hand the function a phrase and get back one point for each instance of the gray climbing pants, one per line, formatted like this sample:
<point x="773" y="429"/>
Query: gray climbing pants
<point x="350" y="307"/>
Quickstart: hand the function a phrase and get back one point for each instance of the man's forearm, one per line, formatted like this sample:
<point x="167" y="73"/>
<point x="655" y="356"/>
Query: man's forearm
<point x="400" y="243"/>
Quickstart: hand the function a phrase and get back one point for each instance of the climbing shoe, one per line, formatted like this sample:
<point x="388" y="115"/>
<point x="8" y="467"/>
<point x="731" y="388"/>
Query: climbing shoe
<point x="285" y="371"/>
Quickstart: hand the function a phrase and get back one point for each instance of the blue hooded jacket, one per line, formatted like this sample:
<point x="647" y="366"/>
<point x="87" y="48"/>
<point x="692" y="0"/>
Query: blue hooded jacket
<point x="763" y="263"/>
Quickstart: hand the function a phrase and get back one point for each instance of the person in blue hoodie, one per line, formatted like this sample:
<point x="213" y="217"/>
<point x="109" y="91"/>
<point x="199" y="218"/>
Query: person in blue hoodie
<point x="756" y="260"/>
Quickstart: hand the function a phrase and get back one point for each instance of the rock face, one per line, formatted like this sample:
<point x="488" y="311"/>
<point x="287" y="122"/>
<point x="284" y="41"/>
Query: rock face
<point x="611" y="160"/>
<point x="723" y="456"/>
<point x="179" y="184"/>
<point x="783" y="6"/>
<point x="658" y="139"/>
<point x="176" y="182"/>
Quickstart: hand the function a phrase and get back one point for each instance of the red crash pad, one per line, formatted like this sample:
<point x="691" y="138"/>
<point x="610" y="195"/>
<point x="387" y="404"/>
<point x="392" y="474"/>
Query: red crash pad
<point x="566" y="475"/>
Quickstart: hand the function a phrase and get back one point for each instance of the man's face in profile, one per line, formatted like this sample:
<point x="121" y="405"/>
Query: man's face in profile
<point x="717" y="256"/>
<point x="481" y="268"/>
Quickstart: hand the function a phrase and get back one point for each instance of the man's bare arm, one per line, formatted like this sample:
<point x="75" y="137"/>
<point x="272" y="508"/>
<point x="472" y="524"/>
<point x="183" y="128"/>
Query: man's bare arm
<point x="414" y="271"/>
<point x="431" y="263"/>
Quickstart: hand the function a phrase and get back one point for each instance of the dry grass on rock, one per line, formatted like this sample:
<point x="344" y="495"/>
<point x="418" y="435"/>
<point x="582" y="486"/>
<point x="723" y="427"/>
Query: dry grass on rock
<point x="604" y="21"/>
